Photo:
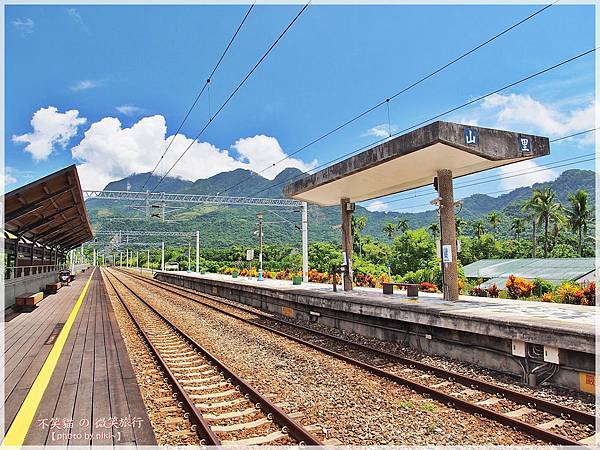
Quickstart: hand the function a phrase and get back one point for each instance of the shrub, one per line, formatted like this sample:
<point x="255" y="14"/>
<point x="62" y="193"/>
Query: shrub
<point x="493" y="291"/>
<point x="570" y="293"/>
<point x="428" y="287"/>
<point x="479" y="292"/>
<point x="547" y="297"/>
<point x="589" y="292"/>
<point x="541" y="287"/>
<point x="518" y="287"/>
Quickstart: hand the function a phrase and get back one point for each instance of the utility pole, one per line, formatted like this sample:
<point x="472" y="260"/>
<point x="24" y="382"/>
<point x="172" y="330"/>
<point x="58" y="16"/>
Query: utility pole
<point x="127" y="257"/>
<point x="162" y="256"/>
<point x="197" y="251"/>
<point x="94" y="264"/>
<point x="137" y="258"/>
<point x="260" y="217"/>
<point x="305" y="242"/>
<point x="120" y="259"/>
<point x="189" y="256"/>
<point x="148" y="260"/>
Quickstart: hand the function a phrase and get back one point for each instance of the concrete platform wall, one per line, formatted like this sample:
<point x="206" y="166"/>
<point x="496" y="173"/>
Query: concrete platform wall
<point x="436" y="337"/>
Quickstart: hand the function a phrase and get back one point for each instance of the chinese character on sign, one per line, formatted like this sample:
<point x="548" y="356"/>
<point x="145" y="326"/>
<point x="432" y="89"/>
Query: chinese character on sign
<point x="524" y="144"/>
<point x="471" y="136"/>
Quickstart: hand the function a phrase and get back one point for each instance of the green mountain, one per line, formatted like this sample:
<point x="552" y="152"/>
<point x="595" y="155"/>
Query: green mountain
<point x="222" y="226"/>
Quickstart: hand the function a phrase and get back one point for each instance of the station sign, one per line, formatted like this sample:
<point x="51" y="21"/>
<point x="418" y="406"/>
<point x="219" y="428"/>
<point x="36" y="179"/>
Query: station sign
<point x="471" y="136"/>
<point x="525" y="146"/>
<point x="447" y="253"/>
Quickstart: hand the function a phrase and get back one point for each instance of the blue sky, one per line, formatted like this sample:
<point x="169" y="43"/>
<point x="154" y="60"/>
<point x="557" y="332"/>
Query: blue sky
<point x="102" y="86"/>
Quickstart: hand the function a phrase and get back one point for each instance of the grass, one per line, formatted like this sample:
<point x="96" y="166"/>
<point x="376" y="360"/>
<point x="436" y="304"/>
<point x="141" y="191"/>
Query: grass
<point x="406" y="404"/>
<point x="428" y="407"/>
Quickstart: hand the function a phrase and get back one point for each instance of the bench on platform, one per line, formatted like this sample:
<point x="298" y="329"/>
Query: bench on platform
<point x="53" y="288"/>
<point x="29" y="299"/>
<point x="412" y="290"/>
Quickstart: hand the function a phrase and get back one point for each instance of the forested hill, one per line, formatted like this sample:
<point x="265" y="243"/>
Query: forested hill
<point x="222" y="226"/>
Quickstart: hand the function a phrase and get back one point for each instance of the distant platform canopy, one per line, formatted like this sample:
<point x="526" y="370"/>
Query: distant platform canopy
<point x="49" y="211"/>
<point x="554" y="270"/>
<point x="413" y="159"/>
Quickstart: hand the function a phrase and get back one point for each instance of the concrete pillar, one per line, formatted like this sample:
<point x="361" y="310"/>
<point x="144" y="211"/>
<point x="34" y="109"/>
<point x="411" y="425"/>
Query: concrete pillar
<point x="162" y="256"/>
<point x="305" y="242"/>
<point x="448" y="233"/>
<point x="347" y="241"/>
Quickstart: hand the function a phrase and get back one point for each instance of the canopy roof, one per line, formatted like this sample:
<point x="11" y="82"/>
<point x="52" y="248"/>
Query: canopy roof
<point x="555" y="270"/>
<point x="49" y="211"/>
<point x="413" y="159"/>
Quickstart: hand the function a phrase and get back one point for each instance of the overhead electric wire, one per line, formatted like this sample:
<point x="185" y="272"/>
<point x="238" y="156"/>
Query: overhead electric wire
<point x="296" y="17"/>
<point x="403" y="90"/>
<point x="206" y="83"/>
<point x="437" y="116"/>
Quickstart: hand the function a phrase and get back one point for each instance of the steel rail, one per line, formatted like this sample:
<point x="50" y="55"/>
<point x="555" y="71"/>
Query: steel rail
<point x="518" y="397"/>
<point x="289" y="425"/>
<point x="206" y="435"/>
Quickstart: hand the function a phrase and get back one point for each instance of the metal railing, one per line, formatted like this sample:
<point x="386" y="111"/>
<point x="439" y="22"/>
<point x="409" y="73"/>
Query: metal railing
<point x="26" y="271"/>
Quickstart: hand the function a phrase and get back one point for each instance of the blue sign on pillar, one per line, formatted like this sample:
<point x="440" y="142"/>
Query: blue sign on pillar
<point x="471" y="136"/>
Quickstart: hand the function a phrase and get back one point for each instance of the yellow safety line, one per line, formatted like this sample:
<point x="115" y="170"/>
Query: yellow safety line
<point x="20" y="426"/>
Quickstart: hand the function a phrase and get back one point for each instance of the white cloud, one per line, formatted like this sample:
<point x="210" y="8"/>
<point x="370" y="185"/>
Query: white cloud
<point x="25" y="26"/>
<point x="378" y="205"/>
<point x="74" y="14"/>
<point x="260" y="152"/>
<point x="50" y="128"/>
<point x="129" y="110"/>
<point x="525" y="113"/>
<point x="381" y="131"/>
<point x="109" y="152"/>
<point x="528" y="174"/>
<point x="83" y="85"/>
<point x="7" y="178"/>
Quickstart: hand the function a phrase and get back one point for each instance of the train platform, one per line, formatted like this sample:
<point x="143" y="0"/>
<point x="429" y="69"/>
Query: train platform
<point x="68" y="377"/>
<point x="489" y="332"/>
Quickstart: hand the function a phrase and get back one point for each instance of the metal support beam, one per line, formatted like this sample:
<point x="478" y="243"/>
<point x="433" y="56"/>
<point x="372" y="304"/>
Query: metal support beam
<point x="162" y="256"/>
<point x="197" y="251"/>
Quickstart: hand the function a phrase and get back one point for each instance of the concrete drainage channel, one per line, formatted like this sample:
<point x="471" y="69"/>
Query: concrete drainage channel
<point x="566" y="426"/>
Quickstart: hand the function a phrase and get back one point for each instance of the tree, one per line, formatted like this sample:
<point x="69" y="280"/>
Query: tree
<point x="434" y="229"/>
<point x="494" y="220"/>
<point x="546" y="209"/>
<point x="357" y="225"/>
<point x="518" y="226"/>
<point x="402" y="225"/>
<point x="478" y="228"/>
<point x="460" y="224"/>
<point x="411" y="251"/>
<point x="529" y="206"/>
<point x="389" y="230"/>
<point x="322" y="255"/>
<point x="563" y="251"/>
<point x="579" y="215"/>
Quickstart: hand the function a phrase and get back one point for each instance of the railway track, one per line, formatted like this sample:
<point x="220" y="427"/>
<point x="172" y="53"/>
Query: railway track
<point x="540" y="418"/>
<point x="223" y="408"/>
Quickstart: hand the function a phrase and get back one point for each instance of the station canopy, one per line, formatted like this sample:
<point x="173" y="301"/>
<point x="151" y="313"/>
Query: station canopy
<point x="412" y="160"/>
<point x="49" y="211"/>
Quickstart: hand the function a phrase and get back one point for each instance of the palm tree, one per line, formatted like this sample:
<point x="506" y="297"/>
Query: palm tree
<point x="357" y="225"/>
<point x="478" y="228"/>
<point x="546" y="209"/>
<point x="402" y="225"/>
<point x="494" y="220"/>
<point x="579" y="215"/>
<point x="460" y="224"/>
<point x="529" y="206"/>
<point x="518" y="226"/>
<point x="389" y="229"/>
<point x="434" y="229"/>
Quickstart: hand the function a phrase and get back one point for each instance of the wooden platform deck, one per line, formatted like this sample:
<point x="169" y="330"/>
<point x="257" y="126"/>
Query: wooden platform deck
<point x="92" y="396"/>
